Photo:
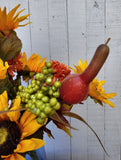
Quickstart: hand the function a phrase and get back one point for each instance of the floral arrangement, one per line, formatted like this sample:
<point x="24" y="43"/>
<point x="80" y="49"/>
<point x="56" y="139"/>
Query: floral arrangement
<point x="50" y="92"/>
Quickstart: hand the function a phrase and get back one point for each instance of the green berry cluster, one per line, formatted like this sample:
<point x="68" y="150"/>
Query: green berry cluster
<point x="41" y="97"/>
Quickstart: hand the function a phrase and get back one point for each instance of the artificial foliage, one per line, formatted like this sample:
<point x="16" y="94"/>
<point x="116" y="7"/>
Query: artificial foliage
<point x="26" y="110"/>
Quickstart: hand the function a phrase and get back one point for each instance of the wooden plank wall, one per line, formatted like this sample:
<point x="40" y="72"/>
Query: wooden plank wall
<point x="67" y="30"/>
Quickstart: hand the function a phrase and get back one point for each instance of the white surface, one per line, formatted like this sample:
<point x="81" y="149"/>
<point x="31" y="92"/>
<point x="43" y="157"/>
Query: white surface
<point x="67" y="30"/>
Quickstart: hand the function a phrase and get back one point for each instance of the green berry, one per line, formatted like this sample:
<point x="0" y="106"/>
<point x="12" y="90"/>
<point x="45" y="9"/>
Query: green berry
<point x="20" y="87"/>
<point x="29" y="86"/>
<point x="45" y="99"/>
<point x="33" y="81"/>
<point x="27" y="106"/>
<point x="53" y="101"/>
<point x="57" y="106"/>
<point x="50" y="70"/>
<point x="27" y="95"/>
<point x="38" y="82"/>
<point x="29" y="103"/>
<point x="39" y="76"/>
<point x="57" y="84"/>
<point x="45" y="71"/>
<point x="43" y="115"/>
<point x="37" y="112"/>
<point x="48" y="80"/>
<point x="50" y="92"/>
<point x="38" y="103"/>
<point x="26" y="100"/>
<point x="40" y="120"/>
<point x="47" y="110"/>
<point x="48" y="64"/>
<point x="54" y="88"/>
<point x="28" y="109"/>
<point x="33" y="100"/>
<point x="18" y="93"/>
<point x="56" y="94"/>
<point x="36" y="87"/>
<point x="33" y="85"/>
<point x="30" y="90"/>
<point x="33" y="106"/>
<point x="33" y="96"/>
<point x="23" y="99"/>
<point x="42" y="107"/>
<point x="39" y="95"/>
<point x="43" y="88"/>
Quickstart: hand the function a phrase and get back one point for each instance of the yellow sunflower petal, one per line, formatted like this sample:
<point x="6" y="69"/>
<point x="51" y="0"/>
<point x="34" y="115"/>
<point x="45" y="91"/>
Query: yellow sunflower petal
<point x="29" y="124"/>
<point x="96" y="91"/>
<point x="14" y="116"/>
<point x="41" y="65"/>
<point x="33" y="62"/>
<point x="3" y="69"/>
<point x="22" y="25"/>
<point x="12" y="12"/>
<point x="29" y="145"/>
<point x="82" y="66"/>
<point x="26" y="118"/>
<point x="15" y="156"/>
<point x="109" y="103"/>
<point x="31" y="128"/>
<point x="23" y="59"/>
<point x="3" y="100"/>
<point x="22" y="18"/>
<point x="3" y="104"/>
<point x="17" y="14"/>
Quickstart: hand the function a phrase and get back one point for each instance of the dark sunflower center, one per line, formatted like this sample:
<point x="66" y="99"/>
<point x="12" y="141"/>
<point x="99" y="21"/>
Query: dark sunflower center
<point x="10" y="135"/>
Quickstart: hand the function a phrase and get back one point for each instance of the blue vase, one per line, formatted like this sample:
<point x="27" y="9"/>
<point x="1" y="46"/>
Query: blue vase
<point x="41" y="154"/>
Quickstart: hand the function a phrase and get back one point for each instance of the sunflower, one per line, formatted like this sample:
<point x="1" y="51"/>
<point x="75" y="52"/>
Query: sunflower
<point x="14" y="129"/>
<point x="11" y="20"/>
<point x="96" y="91"/>
<point x="3" y="69"/>
<point x="34" y="63"/>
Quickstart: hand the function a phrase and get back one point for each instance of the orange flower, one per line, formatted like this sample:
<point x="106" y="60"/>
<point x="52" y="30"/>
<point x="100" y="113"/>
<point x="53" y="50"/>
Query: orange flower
<point x="15" y="65"/>
<point x="13" y="132"/>
<point x="34" y="63"/>
<point x="60" y="70"/>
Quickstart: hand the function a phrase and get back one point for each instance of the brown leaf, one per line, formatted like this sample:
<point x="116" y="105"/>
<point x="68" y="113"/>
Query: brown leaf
<point x="10" y="46"/>
<point x="57" y="118"/>
<point x="48" y="132"/>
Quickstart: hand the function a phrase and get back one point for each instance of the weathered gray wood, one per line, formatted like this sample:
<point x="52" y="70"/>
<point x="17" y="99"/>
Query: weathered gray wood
<point x="58" y="48"/>
<point x="95" y="35"/>
<point x="77" y="50"/>
<point x="113" y="78"/>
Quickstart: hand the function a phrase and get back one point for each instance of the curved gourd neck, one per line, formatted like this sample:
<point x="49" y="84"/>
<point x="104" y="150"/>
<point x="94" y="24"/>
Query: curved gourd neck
<point x="96" y="63"/>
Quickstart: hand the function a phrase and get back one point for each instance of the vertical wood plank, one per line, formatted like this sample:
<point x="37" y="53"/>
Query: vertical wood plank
<point x="95" y="36"/>
<point x="77" y="50"/>
<point x="59" y="148"/>
<point x="113" y="78"/>
<point x="39" y="27"/>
